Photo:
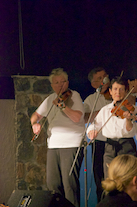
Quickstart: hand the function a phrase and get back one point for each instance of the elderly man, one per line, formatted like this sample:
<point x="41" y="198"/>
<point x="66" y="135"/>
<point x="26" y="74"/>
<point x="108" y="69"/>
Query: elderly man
<point x="65" y="132"/>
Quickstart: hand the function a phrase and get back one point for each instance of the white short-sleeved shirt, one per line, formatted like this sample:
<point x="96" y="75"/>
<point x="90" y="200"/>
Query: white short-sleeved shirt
<point x="62" y="131"/>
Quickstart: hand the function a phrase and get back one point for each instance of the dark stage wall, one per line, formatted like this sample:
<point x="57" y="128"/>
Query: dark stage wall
<point x="73" y="34"/>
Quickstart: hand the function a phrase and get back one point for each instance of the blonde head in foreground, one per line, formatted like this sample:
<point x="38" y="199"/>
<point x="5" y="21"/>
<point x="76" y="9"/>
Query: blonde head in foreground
<point x="122" y="175"/>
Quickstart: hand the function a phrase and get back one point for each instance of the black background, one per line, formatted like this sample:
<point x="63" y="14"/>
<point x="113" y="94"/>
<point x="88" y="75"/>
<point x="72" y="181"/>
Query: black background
<point x="77" y="35"/>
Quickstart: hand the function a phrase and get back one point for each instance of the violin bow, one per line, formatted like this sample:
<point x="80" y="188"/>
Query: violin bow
<point x="36" y="135"/>
<point x="121" y="73"/>
<point x="91" y="141"/>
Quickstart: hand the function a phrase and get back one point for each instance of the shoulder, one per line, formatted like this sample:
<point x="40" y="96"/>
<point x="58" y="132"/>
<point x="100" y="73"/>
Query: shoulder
<point x="90" y="97"/>
<point x="75" y="93"/>
<point x="49" y="98"/>
<point x="116" y="199"/>
<point x="133" y="204"/>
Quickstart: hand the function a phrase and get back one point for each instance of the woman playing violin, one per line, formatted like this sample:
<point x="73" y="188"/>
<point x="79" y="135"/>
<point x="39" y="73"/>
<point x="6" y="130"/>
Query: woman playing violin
<point x="65" y="132"/>
<point x="119" y="132"/>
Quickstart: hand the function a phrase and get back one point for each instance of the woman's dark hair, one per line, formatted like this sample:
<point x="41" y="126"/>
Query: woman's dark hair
<point x="120" y="81"/>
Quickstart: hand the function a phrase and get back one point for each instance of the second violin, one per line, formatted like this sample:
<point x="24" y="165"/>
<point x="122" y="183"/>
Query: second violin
<point x="125" y="106"/>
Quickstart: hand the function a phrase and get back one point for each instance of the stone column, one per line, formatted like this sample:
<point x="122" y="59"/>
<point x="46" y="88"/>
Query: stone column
<point x="30" y="91"/>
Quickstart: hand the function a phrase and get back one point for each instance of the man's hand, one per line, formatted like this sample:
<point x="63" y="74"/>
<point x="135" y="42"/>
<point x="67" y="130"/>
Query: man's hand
<point x="56" y="101"/>
<point x="36" y="128"/>
<point x="59" y="103"/>
<point x="92" y="134"/>
<point x="129" y="115"/>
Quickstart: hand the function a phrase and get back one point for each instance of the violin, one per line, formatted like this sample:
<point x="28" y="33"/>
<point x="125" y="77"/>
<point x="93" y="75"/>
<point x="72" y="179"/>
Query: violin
<point x="64" y="96"/>
<point x="125" y="106"/>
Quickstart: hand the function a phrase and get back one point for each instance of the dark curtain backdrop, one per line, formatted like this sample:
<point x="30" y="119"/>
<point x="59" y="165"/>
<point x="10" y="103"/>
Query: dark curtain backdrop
<point x="77" y="35"/>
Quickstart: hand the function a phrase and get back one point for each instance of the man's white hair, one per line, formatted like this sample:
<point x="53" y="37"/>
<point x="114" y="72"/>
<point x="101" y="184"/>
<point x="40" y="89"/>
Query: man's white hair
<point x="57" y="72"/>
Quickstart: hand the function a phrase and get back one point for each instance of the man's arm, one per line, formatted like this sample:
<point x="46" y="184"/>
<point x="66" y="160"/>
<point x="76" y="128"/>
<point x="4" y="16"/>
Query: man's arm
<point x="92" y="134"/>
<point x="74" y="115"/>
<point x="128" y="116"/>
<point x="35" y="118"/>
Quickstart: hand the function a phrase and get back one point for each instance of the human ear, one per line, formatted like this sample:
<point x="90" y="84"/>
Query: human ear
<point x="93" y="84"/>
<point x="135" y="181"/>
<point x="110" y="91"/>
